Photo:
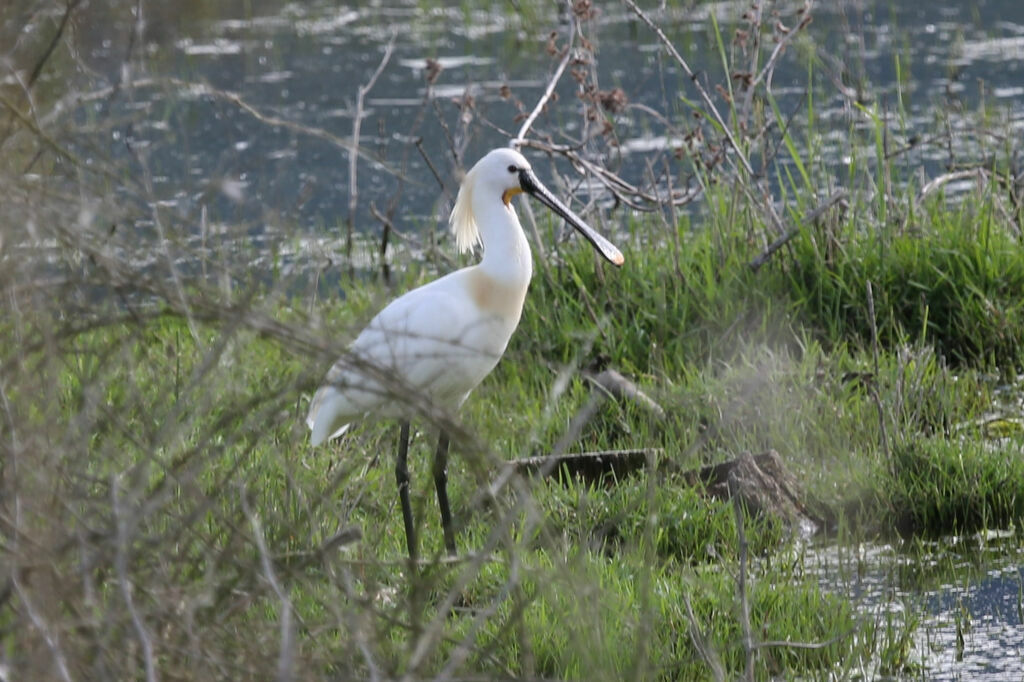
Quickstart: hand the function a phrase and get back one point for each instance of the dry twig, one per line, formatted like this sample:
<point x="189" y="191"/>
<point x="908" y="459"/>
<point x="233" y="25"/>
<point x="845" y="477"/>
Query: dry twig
<point x="723" y="126"/>
<point x="357" y="123"/>
<point x="837" y="197"/>
<point x="549" y="89"/>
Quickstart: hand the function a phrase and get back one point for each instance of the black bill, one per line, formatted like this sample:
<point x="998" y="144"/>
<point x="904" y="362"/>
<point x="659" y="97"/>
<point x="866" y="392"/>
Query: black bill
<point x="531" y="185"/>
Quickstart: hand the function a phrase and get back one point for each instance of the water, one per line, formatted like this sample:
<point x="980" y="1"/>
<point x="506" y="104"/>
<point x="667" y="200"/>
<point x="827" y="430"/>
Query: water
<point x="966" y="594"/>
<point x="219" y="172"/>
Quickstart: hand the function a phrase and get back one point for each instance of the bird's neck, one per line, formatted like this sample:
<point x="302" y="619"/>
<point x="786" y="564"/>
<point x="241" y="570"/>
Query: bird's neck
<point x="506" y="252"/>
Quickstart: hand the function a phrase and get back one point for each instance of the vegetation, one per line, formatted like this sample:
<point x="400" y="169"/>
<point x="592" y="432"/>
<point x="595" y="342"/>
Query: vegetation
<point x="163" y="514"/>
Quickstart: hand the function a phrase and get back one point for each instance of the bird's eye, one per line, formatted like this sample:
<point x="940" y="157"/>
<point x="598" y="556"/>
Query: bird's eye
<point x="513" y="169"/>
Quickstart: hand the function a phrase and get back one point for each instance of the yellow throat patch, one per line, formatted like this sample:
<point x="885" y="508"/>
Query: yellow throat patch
<point x="507" y="195"/>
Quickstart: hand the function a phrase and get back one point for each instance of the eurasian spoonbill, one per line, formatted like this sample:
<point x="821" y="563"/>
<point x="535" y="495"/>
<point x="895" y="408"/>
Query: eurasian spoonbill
<point x="442" y="339"/>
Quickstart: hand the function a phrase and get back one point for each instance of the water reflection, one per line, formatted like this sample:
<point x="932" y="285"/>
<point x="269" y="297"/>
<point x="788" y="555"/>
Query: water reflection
<point x="304" y="63"/>
<point x="968" y="594"/>
<point x="238" y="114"/>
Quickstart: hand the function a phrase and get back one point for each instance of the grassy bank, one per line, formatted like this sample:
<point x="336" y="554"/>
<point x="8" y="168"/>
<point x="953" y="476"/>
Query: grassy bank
<point x="188" y="435"/>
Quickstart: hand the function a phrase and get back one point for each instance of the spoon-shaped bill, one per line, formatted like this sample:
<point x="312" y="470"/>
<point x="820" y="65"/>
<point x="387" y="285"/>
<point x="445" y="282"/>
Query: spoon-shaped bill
<point x="531" y="185"/>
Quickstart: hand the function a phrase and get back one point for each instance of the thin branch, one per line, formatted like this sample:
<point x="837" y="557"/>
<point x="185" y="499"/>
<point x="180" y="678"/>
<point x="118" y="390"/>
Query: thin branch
<point x="359" y="633"/>
<point x="517" y="141"/>
<point x="782" y="644"/>
<point x="839" y="196"/>
<point x="121" y="563"/>
<point x="165" y="242"/>
<point x="693" y="78"/>
<point x="55" y="147"/>
<point x="671" y="228"/>
<point x="657" y="115"/>
<point x="285" y="658"/>
<point x="481" y="619"/>
<point x="353" y="156"/>
<point x="674" y="227"/>
<point x="196" y="89"/>
<point x="51" y="638"/>
<point x="434" y="632"/>
<point x="935" y="183"/>
<point x="387" y="229"/>
<point x="769" y="67"/>
<point x="52" y="641"/>
<point x="754" y="14"/>
<point x="700" y="642"/>
<point x="520" y="137"/>
<point x="874" y="388"/>
<point x="430" y="164"/>
<point x="748" y="638"/>
<point x="37" y="71"/>
<point x="616" y="186"/>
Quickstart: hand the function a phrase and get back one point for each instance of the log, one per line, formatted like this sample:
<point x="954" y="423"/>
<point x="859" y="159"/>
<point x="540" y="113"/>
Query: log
<point x="587" y="466"/>
<point x="763" y="484"/>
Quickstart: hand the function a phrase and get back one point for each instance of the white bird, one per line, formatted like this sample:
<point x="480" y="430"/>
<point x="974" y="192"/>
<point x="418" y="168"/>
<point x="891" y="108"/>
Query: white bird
<point x="439" y="341"/>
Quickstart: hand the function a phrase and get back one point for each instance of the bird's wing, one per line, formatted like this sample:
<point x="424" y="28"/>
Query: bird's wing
<point x="429" y="343"/>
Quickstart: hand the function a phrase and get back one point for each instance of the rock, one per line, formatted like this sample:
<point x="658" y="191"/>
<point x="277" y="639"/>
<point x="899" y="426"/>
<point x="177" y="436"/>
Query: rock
<point x="764" y="486"/>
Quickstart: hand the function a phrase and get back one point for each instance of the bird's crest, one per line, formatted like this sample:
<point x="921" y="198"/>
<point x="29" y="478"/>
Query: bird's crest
<point x="467" y="234"/>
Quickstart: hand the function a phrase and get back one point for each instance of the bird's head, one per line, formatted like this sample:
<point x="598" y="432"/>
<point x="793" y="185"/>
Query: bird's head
<point x="499" y="176"/>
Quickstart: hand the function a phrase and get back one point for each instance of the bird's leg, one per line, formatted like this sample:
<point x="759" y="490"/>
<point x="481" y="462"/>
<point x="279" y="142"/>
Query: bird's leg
<point x="441" y="481"/>
<point x="402" y="478"/>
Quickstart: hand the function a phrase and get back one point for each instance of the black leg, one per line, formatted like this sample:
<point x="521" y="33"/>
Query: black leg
<point x="441" y="481"/>
<point x="402" y="478"/>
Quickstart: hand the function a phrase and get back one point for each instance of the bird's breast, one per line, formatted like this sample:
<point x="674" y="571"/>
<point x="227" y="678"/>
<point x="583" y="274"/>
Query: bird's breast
<point x="497" y="298"/>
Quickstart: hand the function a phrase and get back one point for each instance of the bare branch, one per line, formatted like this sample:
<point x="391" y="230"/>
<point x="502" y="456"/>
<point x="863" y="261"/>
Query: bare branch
<point x="38" y="69"/>
<point x="517" y="141"/>
<point x="748" y="637"/>
<point x="357" y="123"/>
<point x="52" y="642"/>
<point x="700" y="642"/>
<point x="700" y="89"/>
<point x="121" y="517"/>
<point x="769" y="66"/>
<point x="204" y="89"/>
<point x="622" y="190"/>
<point x="839" y="196"/>
<point x="938" y="182"/>
<point x="874" y="390"/>
<point x="52" y="144"/>
<point x="811" y="646"/>
<point x="287" y="654"/>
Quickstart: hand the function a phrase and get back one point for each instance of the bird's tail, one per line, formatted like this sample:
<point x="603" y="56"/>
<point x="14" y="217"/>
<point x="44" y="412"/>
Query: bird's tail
<point x="323" y="413"/>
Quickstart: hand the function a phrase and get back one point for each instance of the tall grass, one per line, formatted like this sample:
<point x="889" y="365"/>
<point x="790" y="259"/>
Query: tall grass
<point x="162" y="514"/>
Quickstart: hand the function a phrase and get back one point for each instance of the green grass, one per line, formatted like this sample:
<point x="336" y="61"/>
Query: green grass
<point x="943" y="487"/>
<point x="200" y="437"/>
<point x="159" y="453"/>
<point x="951" y="279"/>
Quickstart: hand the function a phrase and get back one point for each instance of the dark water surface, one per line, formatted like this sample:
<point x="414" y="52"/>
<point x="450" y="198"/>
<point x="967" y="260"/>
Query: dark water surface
<point x="966" y="593"/>
<point x="932" y="67"/>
